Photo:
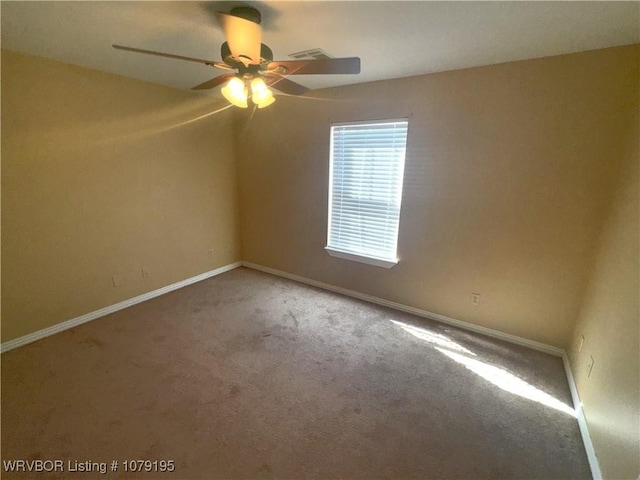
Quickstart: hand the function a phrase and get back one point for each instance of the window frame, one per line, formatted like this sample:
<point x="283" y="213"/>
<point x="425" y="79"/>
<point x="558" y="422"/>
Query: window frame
<point x="356" y="256"/>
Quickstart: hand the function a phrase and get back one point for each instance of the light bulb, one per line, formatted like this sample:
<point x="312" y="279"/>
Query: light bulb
<point x="260" y="93"/>
<point x="235" y="92"/>
<point x="268" y="101"/>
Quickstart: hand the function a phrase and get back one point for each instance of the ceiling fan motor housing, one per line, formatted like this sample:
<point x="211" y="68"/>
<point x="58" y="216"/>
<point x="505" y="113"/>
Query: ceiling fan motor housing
<point x="266" y="57"/>
<point x="253" y="59"/>
<point x="248" y="13"/>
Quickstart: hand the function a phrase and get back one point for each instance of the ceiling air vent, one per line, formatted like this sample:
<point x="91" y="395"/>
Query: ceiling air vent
<point x="315" y="53"/>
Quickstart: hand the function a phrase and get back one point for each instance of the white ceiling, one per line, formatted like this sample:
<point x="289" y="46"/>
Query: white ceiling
<point x="393" y="38"/>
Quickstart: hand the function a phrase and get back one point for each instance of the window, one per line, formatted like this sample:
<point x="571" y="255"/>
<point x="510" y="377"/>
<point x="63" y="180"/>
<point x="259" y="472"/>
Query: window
<point x="365" y="190"/>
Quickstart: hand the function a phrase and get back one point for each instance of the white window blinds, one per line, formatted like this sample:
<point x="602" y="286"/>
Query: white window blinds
<point x="365" y="190"/>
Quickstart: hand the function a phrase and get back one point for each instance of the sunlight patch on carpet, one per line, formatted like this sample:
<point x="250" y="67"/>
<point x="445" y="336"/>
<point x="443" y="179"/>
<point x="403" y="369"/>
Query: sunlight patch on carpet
<point x="499" y="377"/>
<point x="435" y="338"/>
<point x="507" y="381"/>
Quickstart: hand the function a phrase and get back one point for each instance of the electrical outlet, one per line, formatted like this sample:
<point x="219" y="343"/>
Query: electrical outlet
<point x="581" y="343"/>
<point x="145" y="273"/>
<point x="475" y="298"/>
<point x="116" y="280"/>
<point x="211" y="252"/>
<point x="590" y="366"/>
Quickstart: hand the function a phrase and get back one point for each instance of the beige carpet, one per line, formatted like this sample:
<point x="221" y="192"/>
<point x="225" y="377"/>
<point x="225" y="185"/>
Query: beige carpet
<point x="247" y="375"/>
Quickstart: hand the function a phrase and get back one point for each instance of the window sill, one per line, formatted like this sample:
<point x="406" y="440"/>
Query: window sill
<point x="360" y="258"/>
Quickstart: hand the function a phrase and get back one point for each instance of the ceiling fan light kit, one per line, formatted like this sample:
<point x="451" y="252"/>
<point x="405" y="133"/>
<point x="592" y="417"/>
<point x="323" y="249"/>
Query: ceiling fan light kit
<point x="260" y="93"/>
<point x="253" y="61"/>
<point x="236" y="92"/>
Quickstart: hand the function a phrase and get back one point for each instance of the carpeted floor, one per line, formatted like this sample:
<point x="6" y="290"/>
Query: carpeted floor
<point x="247" y="375"/>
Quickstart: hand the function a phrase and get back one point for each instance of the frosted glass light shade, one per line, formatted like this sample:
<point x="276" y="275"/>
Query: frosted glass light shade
<point x="235" y="92"/>
<point x="260" y="93"/>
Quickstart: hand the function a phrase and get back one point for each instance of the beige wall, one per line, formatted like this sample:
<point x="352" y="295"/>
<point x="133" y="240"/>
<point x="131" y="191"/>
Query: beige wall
<point x="521" y="184"/>
<point x="507" y="171"/>
<point x="99" y="178"/>
<point x="610" y="323"/>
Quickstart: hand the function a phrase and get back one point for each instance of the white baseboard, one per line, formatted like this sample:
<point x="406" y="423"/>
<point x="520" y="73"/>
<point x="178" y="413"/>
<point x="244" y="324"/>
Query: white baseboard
<point x="582" y="422"/>
<point x="46" y="332"/>
<point x="416" y="311"/>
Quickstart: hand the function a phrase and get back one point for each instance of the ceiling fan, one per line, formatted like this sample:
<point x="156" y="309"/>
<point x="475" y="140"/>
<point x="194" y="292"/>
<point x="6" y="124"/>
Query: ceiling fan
<point x="252" y="62"/>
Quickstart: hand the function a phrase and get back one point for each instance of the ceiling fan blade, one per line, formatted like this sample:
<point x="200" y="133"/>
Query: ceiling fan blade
<point x="214" y="82"/>
<point x="349" y="65"/>
<point x="284" y="84"/>
<point x="177" y="57"/>
<point x="243" y="36"/>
